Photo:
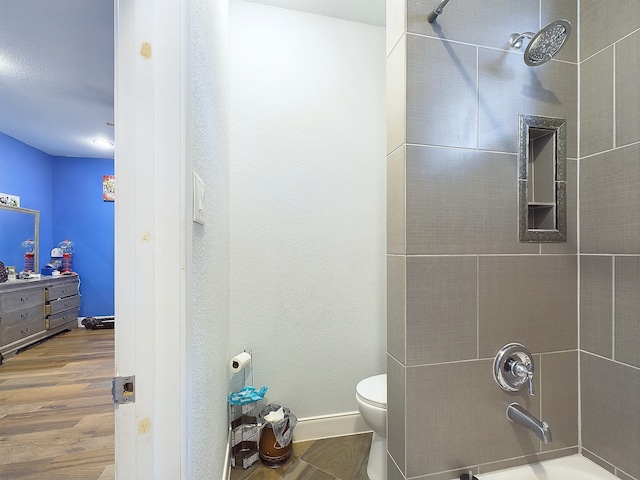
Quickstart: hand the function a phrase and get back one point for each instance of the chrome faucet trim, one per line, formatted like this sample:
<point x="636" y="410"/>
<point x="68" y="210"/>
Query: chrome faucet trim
<point x="519" y="415"/>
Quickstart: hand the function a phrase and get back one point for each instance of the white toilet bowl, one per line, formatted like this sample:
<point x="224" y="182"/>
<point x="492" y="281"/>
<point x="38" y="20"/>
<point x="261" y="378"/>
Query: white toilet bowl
<point x="371" y="395"/>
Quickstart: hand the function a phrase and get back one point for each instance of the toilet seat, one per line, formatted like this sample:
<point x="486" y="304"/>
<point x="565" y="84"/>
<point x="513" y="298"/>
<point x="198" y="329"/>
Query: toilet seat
<point x="373" y="390"/>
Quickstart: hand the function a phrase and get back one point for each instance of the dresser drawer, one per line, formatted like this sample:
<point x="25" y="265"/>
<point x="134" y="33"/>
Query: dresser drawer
<point x="60" y="291"/>
<point x="57" y="319"/>
<point x="17" y="325"/>
<point x="13" y="301"/>
<point x="62" y="304"/>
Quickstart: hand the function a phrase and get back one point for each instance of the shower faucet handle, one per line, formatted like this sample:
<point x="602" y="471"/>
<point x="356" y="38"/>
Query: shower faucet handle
<point x="513" y="367"/>
<point x="523" y="371"/>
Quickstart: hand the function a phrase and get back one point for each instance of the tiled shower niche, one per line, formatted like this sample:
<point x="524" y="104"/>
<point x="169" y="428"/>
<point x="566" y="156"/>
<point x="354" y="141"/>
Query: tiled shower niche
<point x="542" y="172"/>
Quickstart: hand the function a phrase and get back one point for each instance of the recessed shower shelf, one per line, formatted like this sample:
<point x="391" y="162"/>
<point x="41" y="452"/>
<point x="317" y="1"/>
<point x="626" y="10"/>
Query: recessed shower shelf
<point x="542" y="179"/>
<point x="542" y="216"/>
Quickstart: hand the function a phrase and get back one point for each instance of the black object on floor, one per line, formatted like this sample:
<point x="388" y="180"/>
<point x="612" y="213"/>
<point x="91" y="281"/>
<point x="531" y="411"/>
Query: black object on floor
<point x="466" y="476"/>
<point x="91" y="323"/>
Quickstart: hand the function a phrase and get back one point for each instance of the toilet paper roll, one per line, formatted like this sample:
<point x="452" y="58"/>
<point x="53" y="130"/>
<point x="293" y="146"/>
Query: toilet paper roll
<point x="240" y="361"/>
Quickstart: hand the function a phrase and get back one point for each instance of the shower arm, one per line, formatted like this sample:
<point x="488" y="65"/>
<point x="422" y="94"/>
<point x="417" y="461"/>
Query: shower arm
<point x="437" y="10"/>
<point x="515" y="40"/>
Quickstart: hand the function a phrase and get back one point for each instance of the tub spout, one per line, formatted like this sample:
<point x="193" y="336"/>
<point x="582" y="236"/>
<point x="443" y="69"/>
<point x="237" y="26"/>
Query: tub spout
<point x="517" y="414"/>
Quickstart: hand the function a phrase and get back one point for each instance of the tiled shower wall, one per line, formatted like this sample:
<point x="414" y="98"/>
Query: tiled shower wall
<point x="460" y="284"/>
<point x="610" y="233"/>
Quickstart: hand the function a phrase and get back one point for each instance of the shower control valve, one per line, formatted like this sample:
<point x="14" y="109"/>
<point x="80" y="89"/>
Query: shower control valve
<point x="513" y="367"/>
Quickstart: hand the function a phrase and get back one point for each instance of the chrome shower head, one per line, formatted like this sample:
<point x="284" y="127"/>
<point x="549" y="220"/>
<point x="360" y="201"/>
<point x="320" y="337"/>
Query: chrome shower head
<point x="544" y="44"/>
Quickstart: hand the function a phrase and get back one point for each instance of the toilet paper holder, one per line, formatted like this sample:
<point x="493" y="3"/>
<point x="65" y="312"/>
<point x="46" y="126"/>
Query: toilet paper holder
<point x="241" y="361"/>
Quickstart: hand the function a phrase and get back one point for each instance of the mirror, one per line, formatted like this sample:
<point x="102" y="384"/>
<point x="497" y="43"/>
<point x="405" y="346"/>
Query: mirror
<point x="542" y="184"/>
<point x="17" y="225"/>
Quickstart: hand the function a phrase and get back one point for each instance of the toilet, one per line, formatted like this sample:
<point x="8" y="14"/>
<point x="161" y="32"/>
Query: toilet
<point x="371" y="395"/>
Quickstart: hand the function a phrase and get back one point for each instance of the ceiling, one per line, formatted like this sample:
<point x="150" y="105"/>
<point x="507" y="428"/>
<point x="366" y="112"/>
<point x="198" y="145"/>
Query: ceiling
<point x="56" y="68"/>
<point x="56" y="74"/>
<point x="363" y="11"/>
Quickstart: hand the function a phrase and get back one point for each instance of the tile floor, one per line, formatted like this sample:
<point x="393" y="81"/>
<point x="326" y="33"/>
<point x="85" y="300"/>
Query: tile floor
<point x="340" y="458"/>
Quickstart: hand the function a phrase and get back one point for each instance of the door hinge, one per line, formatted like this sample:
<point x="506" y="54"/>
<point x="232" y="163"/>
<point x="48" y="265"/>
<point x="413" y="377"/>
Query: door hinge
<point x="123" y="389"/>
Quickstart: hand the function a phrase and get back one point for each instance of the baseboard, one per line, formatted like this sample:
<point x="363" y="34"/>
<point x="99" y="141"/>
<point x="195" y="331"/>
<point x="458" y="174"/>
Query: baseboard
<point x="327" y="426"/>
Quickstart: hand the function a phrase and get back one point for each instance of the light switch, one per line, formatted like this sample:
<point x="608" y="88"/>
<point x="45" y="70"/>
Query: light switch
<point x="198" y="199"/>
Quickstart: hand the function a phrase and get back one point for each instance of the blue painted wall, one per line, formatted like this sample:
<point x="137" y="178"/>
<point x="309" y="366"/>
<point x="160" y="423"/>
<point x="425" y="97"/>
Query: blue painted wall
<point x="82" y="216"/>
<point x="68" y="193"/>
<point x="26" y="171"/>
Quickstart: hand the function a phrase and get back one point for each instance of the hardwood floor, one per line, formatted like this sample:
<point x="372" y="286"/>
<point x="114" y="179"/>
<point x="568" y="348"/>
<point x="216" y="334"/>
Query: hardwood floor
<point x="56" y="413"/>
<point x="57" y="420"/>
<point x="340" y="458"/>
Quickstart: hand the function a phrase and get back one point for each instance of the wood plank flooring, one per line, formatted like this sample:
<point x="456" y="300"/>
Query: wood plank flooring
<point x="340" y="458"/>
<point x="57" y="420"/>
<point x="56" y="413"/>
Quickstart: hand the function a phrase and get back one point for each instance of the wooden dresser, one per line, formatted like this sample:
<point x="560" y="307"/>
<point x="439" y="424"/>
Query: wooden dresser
<point x="31" y="310"/>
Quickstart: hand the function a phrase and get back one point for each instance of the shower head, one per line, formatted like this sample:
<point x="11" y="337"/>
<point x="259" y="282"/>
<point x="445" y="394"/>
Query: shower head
<point x="544" y="44"/>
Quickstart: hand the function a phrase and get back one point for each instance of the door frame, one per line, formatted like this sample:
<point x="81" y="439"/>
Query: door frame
<point x="150" y="250"/>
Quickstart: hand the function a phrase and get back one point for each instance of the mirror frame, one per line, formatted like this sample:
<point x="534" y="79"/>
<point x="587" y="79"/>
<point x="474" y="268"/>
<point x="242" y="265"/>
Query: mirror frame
<point x="556" y="127"/>
<point x="36" y="233"/>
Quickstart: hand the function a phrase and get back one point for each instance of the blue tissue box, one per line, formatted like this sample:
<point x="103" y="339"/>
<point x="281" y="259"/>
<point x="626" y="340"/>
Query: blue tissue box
<point x="47" y="271"/>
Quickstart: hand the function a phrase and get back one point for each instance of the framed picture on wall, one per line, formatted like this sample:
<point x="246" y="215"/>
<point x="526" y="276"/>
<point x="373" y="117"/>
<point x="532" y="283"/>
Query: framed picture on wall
<point x="109" y="188"/>
<point x="11" y="200"/>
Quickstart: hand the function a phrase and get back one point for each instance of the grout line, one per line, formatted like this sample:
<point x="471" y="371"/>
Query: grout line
<point x="477" y="307"/>
<point x="540" y="392"/>
<point x="613" y="99"/>
<point x="477" y="98"/>
<point x="540" y="15"/>
<point x="617" y="362"/>
<point x="613" y="307"/>
<point x="578" y="237"/>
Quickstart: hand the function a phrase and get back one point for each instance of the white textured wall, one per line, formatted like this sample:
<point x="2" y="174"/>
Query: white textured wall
<point x="208" y="329"/>
<point x="307" y="204"/>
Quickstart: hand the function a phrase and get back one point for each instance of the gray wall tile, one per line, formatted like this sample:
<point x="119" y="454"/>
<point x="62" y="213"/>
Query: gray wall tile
<point x="441" y="93"/>
<point x="396" y="300"/>
<point x="609" y="199"/>
<point x="456" y="418"/>
<point x="598" y="461"/>
<point x="393" y="472"/>
<point x="475" y="22"/>
<point x="567" y="10"/>
<point x="610" y="411"/>
<point x="627" y="311"/>
<point x="596" y="303"/>
<point x="559" y="397"/>
<point x="462" y="201"/>
<point x="396" y="412"/>
<point x="570" y="246"/>
<point x="623" y="476"/>
<point x="538" y="457"/>
<point x="596" y="103"/>
<point x="628" y="90"/>
<point x="529" y="300"/>
<point x="441" y="309"/>
<point x="396" y="228"/>
<point x="508" y="87"/>
<point x="603" y="23"/>
<point x="609" y="222"/>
